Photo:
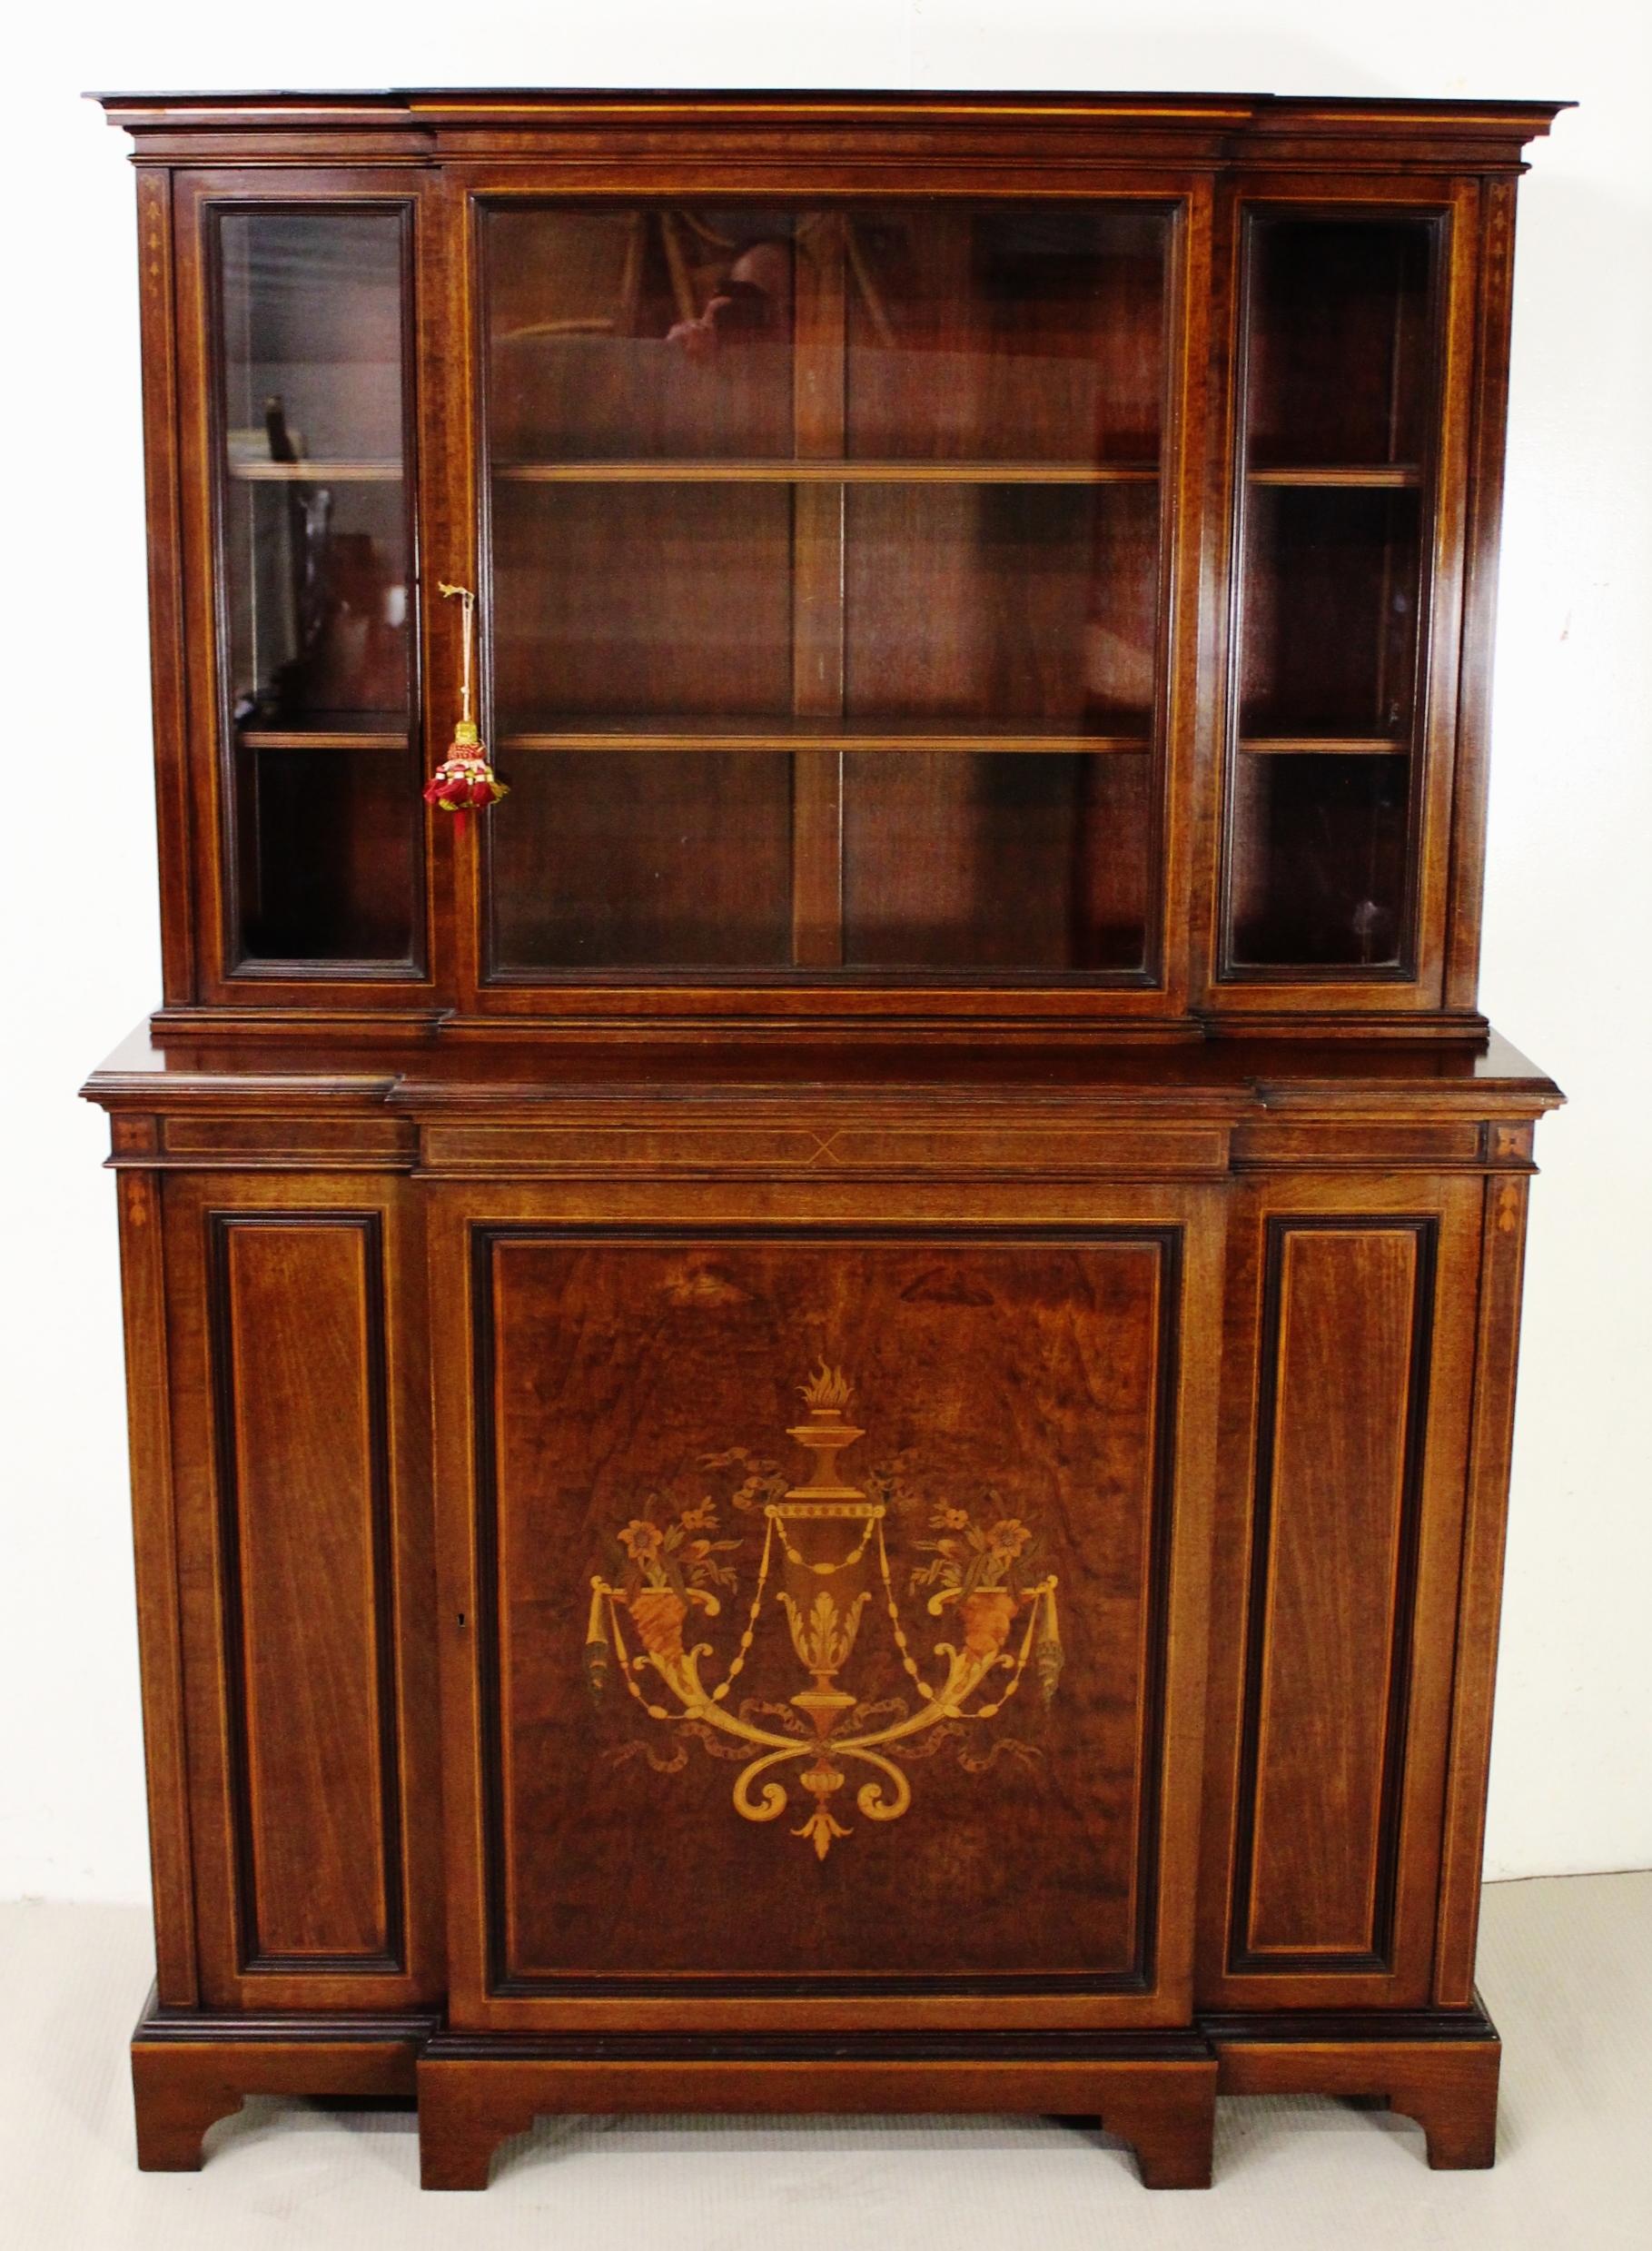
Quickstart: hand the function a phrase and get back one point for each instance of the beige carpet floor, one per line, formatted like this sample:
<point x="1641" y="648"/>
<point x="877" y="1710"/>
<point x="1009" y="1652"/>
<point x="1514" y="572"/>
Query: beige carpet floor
<point x="1566" y="1965"/>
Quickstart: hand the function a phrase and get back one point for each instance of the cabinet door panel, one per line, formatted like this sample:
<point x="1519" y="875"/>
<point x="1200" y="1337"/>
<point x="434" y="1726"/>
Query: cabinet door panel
<point x="305" y="1601"/>
<point x="873" y="511"/>
<point x="868" y="1548"/>
<point x="307" y="407"/>
<point x="1340" y="1543"/>
<point x="1351" y="395"/>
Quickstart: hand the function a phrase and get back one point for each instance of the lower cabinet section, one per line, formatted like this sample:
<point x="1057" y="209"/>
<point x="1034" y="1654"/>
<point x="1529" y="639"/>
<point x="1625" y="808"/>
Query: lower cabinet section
<point x="980" y="1656"/>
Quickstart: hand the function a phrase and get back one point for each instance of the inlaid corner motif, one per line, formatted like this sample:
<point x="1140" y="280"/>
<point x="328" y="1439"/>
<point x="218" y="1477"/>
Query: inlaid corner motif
<point x="824" y="1568"/>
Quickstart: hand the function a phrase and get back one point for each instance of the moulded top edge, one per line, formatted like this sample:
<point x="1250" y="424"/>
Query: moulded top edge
<point x="1214" y="1078"/>
<point x="495" y="105"/>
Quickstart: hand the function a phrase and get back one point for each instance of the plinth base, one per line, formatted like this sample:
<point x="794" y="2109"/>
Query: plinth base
<point x="1156" y="2091"/>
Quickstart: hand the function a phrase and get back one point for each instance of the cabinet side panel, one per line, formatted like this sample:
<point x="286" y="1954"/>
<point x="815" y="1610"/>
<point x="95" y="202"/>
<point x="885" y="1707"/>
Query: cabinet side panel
<point x="1482" y="533"/>
<point x="300" y="1368"/>
<point x="1481" y="1600"/>
<point x="154" y="1541"/>
<point x="167" y="670"/>
<point x="1345" y="1349"/>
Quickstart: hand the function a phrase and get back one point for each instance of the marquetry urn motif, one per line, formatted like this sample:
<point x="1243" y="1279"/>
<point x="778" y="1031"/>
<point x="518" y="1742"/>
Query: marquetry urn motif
<point x="824" y="1564"/>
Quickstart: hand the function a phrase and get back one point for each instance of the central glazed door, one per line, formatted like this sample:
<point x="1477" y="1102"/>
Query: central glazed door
<point x="824" y="1619"/>
<point x="838" y="559"/>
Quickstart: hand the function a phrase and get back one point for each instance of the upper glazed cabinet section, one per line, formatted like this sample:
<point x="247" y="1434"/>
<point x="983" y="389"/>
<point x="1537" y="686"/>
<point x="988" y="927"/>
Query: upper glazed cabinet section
<point x="977" y="558"/>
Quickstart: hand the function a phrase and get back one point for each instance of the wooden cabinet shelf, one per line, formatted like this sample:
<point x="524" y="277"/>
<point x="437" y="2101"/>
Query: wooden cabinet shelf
<point x="246" y="471"/>
<point x="1322" y="745"/>
<point x="321" y="739"/>
<point x="824" y="471"/>
<point x="1355" y="477"/>
<point x="803" y="734"/>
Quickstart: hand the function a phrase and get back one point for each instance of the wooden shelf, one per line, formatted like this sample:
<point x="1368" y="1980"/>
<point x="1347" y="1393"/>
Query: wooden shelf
<point x="1325" y="746"/>
<point x="784" y="735"/>
<point x="1373" y="477"/>
<point x="320" y="739"/>
<point x="825" y="471"/>
<point x="315" y="473"/>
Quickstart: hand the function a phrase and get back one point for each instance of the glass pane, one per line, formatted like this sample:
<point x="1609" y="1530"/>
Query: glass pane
<point x="818" y="482"/>
<point x="991" y="602"/>
<point x="1341" y="339"/>
<point x="1342" y="400"/>
<point x="1015" y="333"/>
<point x="1330" y="618"/>
<point x="652" y="598"/>
<point x="1320" y="860"/>
<point x="644" y="859"/>
<point x="327" y="854"/>
<point x="1008" y="333"/>
<point x="314" y="548"/>
<point x="1014" y="860"/>
<point x="640" y="335"/>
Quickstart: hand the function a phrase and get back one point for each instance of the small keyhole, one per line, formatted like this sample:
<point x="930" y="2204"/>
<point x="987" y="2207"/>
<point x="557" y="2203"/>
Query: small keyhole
<point x="462" y="1621"/>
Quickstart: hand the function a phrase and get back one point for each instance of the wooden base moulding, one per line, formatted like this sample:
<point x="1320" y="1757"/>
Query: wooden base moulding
<point x="190" y="2070"/>
<point x="1157" y="2091"/>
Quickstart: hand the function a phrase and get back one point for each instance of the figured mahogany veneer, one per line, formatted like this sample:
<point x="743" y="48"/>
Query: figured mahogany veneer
<point x="822" y="1420"/>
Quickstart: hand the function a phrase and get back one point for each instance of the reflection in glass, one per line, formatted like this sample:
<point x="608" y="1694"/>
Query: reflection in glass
<point x="640" y="335"/>
<point x="1021" y="332"/>
<point x="315" y="545"/>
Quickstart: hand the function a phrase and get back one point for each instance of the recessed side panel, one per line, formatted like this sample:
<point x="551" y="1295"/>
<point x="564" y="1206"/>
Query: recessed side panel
<point x="295" y="1339"/>
<point x="1350" y="1339"/>
<point x="299" y="1363"/>
<point x="822" y="1610"/>
<point x="1346" y="1337"/>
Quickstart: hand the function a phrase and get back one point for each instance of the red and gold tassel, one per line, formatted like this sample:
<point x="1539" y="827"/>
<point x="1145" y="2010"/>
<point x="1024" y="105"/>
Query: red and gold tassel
<point x="464" y="783"/>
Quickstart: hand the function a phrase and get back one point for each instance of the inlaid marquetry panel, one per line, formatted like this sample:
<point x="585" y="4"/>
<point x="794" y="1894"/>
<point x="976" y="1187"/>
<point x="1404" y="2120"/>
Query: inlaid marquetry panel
<point x="823" y="1609"/>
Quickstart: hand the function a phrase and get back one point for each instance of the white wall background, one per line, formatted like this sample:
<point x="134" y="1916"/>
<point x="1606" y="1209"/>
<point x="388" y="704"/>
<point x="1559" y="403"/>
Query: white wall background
<point x="1568" y="952"/>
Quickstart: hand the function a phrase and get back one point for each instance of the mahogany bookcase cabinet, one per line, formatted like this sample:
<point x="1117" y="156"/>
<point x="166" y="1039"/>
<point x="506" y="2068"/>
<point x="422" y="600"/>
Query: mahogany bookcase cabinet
<point x="821" y="1413"/>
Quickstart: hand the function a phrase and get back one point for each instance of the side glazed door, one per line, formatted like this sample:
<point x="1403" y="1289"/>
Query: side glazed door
<point x="308" y="463"/>
<point x="822" y="1614"/>
<point x="1352" y="369"/>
